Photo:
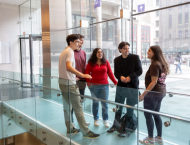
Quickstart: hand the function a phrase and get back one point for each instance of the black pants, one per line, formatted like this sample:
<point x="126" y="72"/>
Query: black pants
<point x="131" y="96"/>
<point x="82" y="93"/>
<point x="152" y="101"/>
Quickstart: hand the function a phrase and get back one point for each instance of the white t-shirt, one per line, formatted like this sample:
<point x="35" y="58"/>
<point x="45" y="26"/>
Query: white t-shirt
<point x="66" y="55"/>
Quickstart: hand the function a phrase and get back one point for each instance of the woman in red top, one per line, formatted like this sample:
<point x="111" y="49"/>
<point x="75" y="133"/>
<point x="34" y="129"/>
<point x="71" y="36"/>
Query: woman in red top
<point x="99" y="68"/>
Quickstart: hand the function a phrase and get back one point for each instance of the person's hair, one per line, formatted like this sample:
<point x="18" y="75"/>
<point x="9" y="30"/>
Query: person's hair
<point x="93" y="59"/>
<point x="158" y="56"/>
<point x="72" y="38"/>
<point x="81" y="36"/>
<point x="122" y="44"/>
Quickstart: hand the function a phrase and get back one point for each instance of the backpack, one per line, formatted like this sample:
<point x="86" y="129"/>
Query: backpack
<point x="126" y="124"/>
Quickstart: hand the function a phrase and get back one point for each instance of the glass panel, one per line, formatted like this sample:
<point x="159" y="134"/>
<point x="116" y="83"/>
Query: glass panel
<point x="96" y="115"/>
<point x="37" y="57"/>
<point x="36" y="16"/>
<point x="25" y="56"/>
<point x="8" y="97"/>
<point x="49" y="113"/>
<point x="107" y="39"/>
<point x="25" y="18"/>
<point x="147" y="5"/>
<point x="26" y="107"/>
<point x="170" y="36"/>
<point x="170" y="129"/>
<point x="73" y="14"/>
<point x="25" y="79"/>
<point x="1" y="116"/>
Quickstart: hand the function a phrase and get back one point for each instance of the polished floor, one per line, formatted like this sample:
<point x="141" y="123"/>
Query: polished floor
<point x="24" y="139"/>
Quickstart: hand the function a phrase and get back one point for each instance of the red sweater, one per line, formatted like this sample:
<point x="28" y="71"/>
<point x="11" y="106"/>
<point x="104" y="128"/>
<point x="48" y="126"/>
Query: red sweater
<point x="100" y="73"/>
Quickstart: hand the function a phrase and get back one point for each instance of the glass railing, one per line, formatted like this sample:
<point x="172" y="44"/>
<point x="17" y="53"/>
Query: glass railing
<point x="43" y="109"/>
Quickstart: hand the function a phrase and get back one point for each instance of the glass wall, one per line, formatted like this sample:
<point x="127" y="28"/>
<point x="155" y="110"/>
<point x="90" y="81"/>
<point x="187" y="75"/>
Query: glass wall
<point x="30" y="17"/>
<point x="152" y="22"/>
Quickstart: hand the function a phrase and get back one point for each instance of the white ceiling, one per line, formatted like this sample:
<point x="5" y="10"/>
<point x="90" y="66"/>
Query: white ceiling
<point x="13" y="2"/>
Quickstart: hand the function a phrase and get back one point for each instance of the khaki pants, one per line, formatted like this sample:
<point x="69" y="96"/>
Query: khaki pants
<point x="75" y="104"/>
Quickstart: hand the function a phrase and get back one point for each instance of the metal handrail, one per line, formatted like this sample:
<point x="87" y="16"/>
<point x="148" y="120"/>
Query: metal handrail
<point x="115" y="86"/>
<point x="114" y="103"/>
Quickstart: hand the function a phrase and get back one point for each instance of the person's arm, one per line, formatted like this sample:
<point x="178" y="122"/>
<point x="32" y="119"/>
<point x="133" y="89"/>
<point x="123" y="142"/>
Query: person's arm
<point x="154" y="73"/>
<point x="118" y="74"/>
<point x="116" y="71"/>
<point x="138" y="70"/>
<point x="110" y="73"/>
<point x="154" y="80"/>
<point x="74" y="71"/>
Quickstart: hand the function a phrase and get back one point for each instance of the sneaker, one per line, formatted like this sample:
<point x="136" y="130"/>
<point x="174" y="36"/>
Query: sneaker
<point x="91" y="135"/>
<point x="87" y="123"/>
<point x="112" y="129"/>
<point x="146" y="141"/>
<point x="122" y="135"/>
<point x="105" y="122"/>
<point x="96" y="123"/>
<point x="73" y="131"/>
<point x="158" y="141"/>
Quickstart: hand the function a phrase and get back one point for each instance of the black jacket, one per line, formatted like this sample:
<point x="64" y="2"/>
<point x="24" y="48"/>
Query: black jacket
<point x="132" y="68"/>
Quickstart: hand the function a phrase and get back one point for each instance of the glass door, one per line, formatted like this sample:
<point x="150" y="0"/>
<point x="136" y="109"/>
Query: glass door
<point x="31" y="57"/>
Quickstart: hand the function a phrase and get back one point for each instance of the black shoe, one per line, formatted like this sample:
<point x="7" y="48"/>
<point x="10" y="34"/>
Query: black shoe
<point x="111" y="130"/>
<point x="73" y="131"/>
<point x="91" y="135"/>
<point x="122" y="135"/>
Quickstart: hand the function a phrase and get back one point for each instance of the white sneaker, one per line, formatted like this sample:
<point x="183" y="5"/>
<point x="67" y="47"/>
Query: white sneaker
<point x="106" y="123"/>
<point x="96" y="123"/>
<point x="88" y="123"/>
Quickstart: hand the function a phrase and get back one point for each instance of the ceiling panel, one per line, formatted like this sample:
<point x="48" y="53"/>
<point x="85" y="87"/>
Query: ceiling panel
<point x="13" y="2"/>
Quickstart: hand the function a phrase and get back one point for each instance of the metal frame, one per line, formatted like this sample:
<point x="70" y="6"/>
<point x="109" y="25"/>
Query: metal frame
<point x="31" y="39"/>
<point x="1" y="112"/>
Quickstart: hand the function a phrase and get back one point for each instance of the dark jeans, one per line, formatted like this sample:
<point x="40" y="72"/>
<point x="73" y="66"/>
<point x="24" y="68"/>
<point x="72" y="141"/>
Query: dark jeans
<point x="81" y="93"/>
<point x="132" y="98"/>
<point x="152" y="101"/>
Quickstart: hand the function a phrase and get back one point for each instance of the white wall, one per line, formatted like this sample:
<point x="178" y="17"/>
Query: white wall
<point x="9" y="31"/>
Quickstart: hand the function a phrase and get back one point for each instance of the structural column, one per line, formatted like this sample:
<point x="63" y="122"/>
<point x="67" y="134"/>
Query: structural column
<point x="118" y="30"/>
<point x="98" y="9"/>
<point x="68" y="11"/>
<point x="46" y="34"/>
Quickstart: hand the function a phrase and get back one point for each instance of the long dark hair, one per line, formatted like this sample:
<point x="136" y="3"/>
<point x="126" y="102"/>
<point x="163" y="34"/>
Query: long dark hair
<point x="158" y="56"/>
<point x="93" y="59"/>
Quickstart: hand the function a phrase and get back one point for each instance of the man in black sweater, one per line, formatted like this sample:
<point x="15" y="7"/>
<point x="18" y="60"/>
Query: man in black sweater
<point x="127" y="69"/>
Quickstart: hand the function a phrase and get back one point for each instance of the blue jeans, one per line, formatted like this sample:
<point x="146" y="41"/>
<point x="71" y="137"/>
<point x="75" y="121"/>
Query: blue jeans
<point x="178" y="66"/>
<point x="100" y="92"/>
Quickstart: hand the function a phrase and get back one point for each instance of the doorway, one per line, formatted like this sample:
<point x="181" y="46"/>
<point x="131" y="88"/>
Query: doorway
<point x="31" y="57"/>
